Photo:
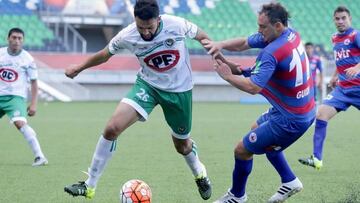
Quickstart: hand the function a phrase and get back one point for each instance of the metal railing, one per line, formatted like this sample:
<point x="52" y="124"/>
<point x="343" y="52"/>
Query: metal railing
<point x="69" y="36"/>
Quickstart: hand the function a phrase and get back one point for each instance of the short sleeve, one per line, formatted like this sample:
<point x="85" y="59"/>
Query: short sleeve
<point x="31" y="71"/>
<point x="256" y="41"/>
<point x="116" y="44"/>
<point x="264" y="69"/>
<point x="189" y="29"/>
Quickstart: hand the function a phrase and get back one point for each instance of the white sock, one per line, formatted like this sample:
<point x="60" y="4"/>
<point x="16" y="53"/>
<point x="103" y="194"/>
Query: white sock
<point x="193" y="161"/>
<point x="103" y="152"/>
<point x="30" y="137"/>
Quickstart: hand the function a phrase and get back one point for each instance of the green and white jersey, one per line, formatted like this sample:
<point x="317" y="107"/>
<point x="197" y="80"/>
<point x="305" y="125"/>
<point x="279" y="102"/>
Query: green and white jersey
<point x="15" y="72"/>
<point x="164" y="61"/>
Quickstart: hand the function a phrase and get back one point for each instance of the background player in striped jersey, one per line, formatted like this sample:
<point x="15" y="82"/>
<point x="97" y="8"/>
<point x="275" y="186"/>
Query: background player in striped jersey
<point x="316" y="69"/>
<point x="164" y="78"/>
<point x="281" y="74"/>
<point x="345" y="80"/>
<point x="17" y="67"/>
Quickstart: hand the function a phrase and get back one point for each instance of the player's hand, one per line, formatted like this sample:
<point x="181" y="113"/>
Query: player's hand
<point x="72" y="71"/>
<point x="222" y="69"/>
<point x="353" y="71"/>
<point x="235" y="67"/>
<point x="333" y="82"/>
<point x="31" y="110"/>
<point x="213" y="48"/>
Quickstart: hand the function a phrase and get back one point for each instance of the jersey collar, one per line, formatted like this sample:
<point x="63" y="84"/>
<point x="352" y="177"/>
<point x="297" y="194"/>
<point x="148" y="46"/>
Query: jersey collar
<point x="348" y="31"/>
<point x="13" y="54"/>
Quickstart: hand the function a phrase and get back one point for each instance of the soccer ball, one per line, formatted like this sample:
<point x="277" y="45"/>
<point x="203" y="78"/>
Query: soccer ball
<point x="135" y="191"/>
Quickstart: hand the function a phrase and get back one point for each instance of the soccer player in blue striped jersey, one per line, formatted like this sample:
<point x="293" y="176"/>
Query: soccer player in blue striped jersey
<point x="282" y="75"/>
<point x="315" y="68"/>
<point x="345" y="80"/>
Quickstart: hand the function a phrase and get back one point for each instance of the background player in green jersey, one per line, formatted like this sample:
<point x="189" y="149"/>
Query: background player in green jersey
<point x="17" y="67"/>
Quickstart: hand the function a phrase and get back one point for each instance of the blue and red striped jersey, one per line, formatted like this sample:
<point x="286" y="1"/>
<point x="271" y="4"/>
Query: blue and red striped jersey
<point x="347" y="54"/>
<point x="282" y="71"/>
<point x="315" y="65"/>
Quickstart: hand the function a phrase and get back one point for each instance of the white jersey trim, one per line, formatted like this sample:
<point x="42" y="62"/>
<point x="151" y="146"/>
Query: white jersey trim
<point x="181" y="137"/>
<point x="137" y="107"/>
<point x="14" y="119"/>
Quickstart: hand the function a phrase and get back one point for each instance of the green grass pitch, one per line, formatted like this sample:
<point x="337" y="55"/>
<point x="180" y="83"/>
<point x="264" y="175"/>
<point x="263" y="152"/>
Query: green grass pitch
<point x="68" y="133"/>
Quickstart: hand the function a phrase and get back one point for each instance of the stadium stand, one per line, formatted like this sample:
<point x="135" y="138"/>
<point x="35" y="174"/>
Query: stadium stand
<point x="220" y="19"/>
<point x="17" y="14"/>
<point x="313" y="19"/>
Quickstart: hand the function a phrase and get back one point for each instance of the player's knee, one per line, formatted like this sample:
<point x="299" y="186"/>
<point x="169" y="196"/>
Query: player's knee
<point x="112" y="131"/>
<point x="240" y="152"/>
<point x="254" y="126"/>
<point x="183" y="148"/>
<point x="19" y="124"/>
<point x="322" y="115"/>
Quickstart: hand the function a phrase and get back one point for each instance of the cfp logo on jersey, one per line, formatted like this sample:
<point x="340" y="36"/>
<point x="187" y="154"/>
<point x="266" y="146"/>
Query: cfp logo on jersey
<point x="169" y="42"/>
<point x="8" y="75"/>
<point x="252" y="137"/>
<point x="163" y="60"/>
<point x="346" y="41"/>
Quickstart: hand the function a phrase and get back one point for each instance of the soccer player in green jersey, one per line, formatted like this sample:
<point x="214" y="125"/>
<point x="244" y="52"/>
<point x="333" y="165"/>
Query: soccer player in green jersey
<point x="165" y="79"/>
<point x="17" y="67"/>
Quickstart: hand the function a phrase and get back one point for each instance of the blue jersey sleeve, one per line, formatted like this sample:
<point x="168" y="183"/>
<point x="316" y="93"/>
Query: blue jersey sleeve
<point x="256" y="41"/>
<point x="264" y="69"/>
<point x="246" y="72"/>
<point x="357" y="40"/>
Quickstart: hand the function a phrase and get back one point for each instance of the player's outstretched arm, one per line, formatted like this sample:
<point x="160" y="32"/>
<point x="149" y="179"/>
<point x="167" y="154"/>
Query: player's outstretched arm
<point x="96" y="59"/>
<point x="31" y="110"/>
<point x="236" y="44"/>
<point x="203" y="38"/>
<point x="240" y="82"/>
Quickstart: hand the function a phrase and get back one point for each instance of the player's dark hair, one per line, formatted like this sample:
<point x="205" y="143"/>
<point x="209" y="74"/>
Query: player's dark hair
<point x="146" y="9"/>
<point x="342" y="9"/>
<point x="16" y="30"/>
<point x="276" y="13"/>
<point x="309" y="44"/>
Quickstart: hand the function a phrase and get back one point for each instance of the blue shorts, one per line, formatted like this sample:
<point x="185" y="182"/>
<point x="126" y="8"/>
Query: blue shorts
<point x="275" y="132"/>
<point x="341" y="101"/>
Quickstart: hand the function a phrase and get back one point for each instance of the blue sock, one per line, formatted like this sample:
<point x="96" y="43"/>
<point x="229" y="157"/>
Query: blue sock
<point x="241" y="172"/>
<point x="277" y="159"/>
<point x="319" y="138"/>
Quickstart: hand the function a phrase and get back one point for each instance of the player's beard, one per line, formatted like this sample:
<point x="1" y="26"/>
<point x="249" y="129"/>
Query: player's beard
<point x="152" y="35"/>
